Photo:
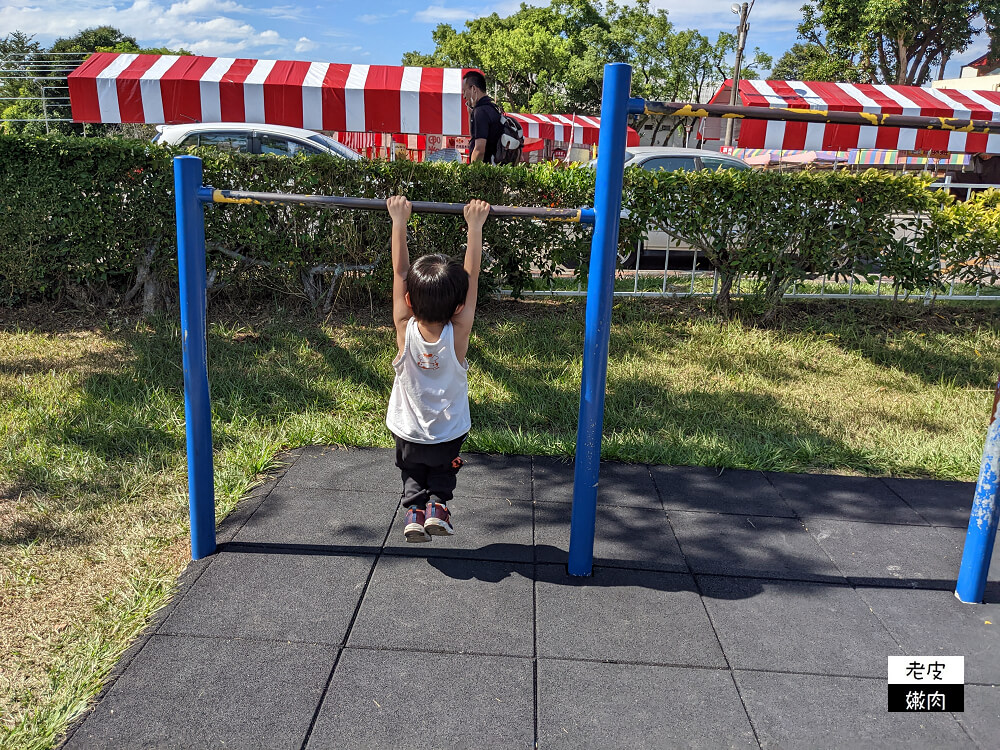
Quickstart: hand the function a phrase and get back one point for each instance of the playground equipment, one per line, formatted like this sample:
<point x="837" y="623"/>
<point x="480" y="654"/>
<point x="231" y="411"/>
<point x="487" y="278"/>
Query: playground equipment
<point x="575" y="215"/>
<point x="616" y="105"/>
<point x="982" y="531"/>
<point x="833" y="117"/>
<point x="191" y="196"/>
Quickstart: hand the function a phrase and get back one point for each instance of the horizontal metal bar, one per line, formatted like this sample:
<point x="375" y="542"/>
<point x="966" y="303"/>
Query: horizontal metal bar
<point x="576" y="215"/>
<point x="887" y="295"/>
<point x="788" y="295"/>
<point x="583" y="293"/>
<point x="792" y="114"/>
<point x="980" y="185"/>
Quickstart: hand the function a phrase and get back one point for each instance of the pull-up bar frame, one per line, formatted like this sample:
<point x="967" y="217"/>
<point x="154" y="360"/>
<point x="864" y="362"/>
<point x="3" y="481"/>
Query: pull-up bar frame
<point x="192" y="196"/>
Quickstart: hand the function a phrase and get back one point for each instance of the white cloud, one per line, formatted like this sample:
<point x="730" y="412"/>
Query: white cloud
<point x="204" y="7"/>
<point x="717" y="13"/>
<point x="283" y="12"/>
<point x="979" y="47"/>
<point x="767" y="18"/>
<point x="374" y="18"/>
<point x="440" y="14"/>
<point x="205" y="27"/>
<point x="305" y="44"/>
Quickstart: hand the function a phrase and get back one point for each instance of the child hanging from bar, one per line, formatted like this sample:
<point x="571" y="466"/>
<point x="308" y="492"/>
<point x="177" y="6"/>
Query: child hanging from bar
<point x="433" y="306"/>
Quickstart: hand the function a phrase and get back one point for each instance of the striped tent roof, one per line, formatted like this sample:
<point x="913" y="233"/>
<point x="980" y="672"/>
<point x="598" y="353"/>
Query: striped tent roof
<point x="374" y="99"/>
<point x="875" y="99"/>
<point x="111" y="88"/>
<point x="569" y="128"/>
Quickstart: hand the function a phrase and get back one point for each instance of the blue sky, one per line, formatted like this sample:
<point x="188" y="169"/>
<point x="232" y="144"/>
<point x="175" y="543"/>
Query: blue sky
<point x="344" y="31"/>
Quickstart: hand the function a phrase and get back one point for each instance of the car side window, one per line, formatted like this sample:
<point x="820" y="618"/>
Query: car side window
<point x="709" y="162"/>
<point x="191" y="140"/>
<point x="670" y="163"/>
<point x="304" y="148"/>
<point x="235" y="141"/>
<point x="273" y="144"/>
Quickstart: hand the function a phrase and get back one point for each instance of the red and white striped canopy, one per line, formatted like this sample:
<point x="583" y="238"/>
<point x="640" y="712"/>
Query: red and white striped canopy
<point x="361" y="141"/>
<point x="568" y="128"/>
<point x="876" y="99"/>
<point x="111" y="88"/>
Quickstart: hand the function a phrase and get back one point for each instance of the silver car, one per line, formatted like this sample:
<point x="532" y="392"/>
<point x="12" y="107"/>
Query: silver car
<point x="652" y="253"/>
<point x="253" y="138"/>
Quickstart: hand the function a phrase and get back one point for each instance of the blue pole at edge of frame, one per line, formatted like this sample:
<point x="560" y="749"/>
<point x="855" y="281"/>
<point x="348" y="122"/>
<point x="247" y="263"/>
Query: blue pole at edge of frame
<point x="197" y="404"/>
<point x="979" y="540"/>
<point x="600" y="289"/>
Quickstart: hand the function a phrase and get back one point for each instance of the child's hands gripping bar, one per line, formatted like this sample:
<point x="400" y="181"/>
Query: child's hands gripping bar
<point x="399" y="208"/>
<point x="476" y="212"/>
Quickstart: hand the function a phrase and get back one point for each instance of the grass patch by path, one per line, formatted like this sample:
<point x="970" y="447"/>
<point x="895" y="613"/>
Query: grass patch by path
<point x="93" y="511"/>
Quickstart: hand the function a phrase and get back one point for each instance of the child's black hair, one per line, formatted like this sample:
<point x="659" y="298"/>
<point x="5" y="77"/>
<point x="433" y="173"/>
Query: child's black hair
<point x="437" y="285"/>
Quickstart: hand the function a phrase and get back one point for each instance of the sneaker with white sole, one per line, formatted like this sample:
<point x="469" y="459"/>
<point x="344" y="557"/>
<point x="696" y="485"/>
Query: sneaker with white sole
<point x="437" y="520"/>
<point x="414" y="530"/>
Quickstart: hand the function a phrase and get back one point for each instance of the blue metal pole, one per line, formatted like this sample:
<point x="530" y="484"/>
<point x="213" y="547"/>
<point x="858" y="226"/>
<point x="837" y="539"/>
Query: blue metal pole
<point x="600" y="290"/>
<point x="982" y="532"/>
<point x="197" y="404"/>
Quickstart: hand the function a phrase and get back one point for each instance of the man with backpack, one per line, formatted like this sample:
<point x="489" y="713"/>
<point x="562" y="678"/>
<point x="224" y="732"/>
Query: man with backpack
<point x="494" y="137"/>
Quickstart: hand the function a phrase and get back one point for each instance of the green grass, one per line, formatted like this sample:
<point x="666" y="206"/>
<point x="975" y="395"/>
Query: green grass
<point x="93" y="513"/>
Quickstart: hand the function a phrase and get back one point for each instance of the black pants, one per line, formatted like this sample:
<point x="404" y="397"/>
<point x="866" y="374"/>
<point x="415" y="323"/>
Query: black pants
<point x="430" y="472"/>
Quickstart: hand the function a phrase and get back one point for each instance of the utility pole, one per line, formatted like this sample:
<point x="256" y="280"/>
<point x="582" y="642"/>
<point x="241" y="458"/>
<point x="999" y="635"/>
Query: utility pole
<point x="744" y="27"/>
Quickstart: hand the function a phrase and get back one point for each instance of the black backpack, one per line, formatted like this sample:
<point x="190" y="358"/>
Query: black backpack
<point x="511" y="140"/>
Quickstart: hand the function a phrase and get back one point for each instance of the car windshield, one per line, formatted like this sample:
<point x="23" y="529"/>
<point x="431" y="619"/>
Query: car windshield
<point x="714" y="163"/>
<point x="629" y="156"/>
<point x="335" y="146"/>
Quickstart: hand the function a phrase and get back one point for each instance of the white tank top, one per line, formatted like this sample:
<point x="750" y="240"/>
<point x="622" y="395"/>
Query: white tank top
<point x="430" y="395"/>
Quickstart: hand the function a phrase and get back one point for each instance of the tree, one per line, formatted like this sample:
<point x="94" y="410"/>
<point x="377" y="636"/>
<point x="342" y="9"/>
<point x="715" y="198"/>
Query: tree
<point x="20" y="91"/>
<point x="522" y="55"/>
<point x="552" y="59"/>
<point x="899" y="41"/>
<point x="93" y="40"/>
<point x="810" y="62"/>
<point x="692" y="70"/>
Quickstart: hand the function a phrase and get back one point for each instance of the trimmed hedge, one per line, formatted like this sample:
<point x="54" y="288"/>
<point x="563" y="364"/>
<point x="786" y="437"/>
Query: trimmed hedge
<point x="773" y="229"/>
<point x="94" y="219"/>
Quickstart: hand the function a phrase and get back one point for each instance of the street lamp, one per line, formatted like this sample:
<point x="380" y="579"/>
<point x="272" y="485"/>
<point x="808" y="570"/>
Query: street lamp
<point x="742" y="10"/>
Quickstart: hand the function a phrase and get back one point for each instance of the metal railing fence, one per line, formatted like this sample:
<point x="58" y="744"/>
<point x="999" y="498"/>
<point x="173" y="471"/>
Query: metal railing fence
<point x="634" y="281"/>
<point x="47" y="71"/>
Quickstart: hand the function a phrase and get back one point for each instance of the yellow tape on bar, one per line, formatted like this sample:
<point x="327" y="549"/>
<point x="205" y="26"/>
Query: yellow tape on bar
<point x="569" y="219"/>
<point x="218" y="197"/>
